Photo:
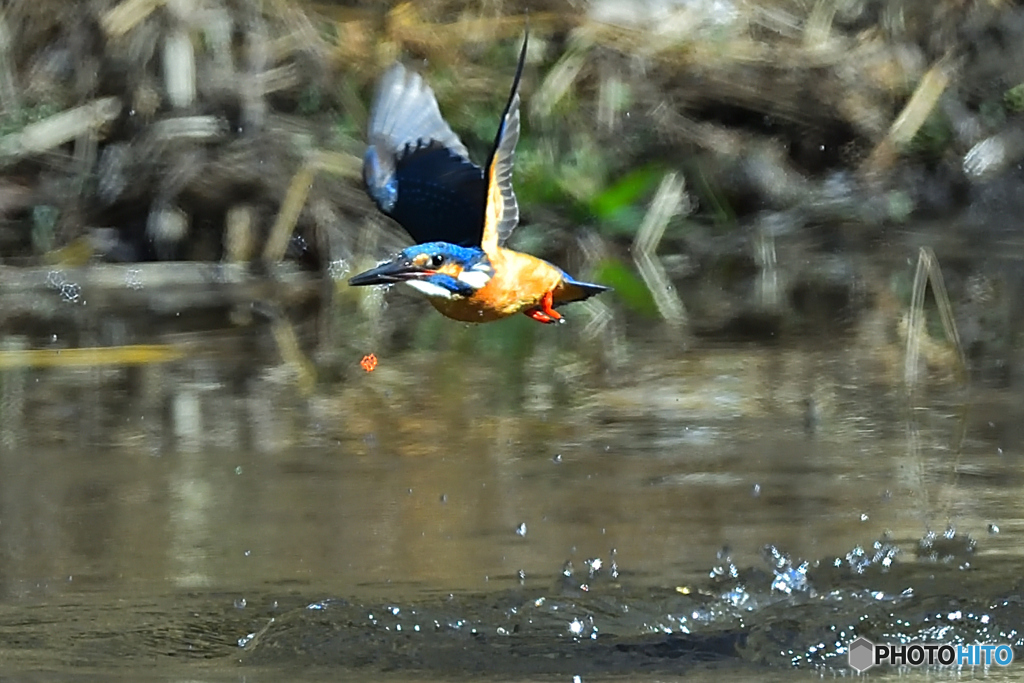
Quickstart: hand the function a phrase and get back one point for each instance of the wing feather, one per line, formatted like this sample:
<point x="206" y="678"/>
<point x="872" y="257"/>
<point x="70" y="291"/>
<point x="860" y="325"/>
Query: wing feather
<point x="416" y="169"/>
<point x="405" y="112"/>
<point x="501" y="214"/>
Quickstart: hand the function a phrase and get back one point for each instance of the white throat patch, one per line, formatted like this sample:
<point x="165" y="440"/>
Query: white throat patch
<point x="431" y="290"/>
<point x="474" y="278"/>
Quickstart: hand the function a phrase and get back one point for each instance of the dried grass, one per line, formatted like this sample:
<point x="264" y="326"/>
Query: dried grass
<point x="116" y="111"/>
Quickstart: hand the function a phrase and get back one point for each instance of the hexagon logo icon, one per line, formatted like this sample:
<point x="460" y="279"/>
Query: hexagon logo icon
<point x="862" y="655"/>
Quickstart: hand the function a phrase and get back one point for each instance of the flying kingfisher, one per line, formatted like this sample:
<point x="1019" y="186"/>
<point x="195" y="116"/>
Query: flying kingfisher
<point x="418" y="172"/>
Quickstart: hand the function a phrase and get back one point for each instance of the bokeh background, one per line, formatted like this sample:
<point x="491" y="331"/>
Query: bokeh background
<point x="796" y="420"/>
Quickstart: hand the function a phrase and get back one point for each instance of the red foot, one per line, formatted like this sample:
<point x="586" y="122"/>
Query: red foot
<point x="545" y="313"/>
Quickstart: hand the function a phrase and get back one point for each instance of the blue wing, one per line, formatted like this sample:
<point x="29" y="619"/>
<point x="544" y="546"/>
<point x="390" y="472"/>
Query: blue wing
<point x="416" y="169"/>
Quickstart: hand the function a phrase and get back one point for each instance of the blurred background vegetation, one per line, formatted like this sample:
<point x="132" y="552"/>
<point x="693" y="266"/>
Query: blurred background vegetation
<point x="733" y="167"/>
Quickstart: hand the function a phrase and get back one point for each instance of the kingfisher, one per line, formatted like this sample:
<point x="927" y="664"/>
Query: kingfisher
<point x="418" y="172"/>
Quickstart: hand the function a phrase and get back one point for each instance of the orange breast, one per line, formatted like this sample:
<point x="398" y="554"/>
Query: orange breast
<point x="519" y="283"/>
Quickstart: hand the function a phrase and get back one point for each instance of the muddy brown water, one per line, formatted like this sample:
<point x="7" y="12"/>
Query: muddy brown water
<point x="494" y="503"/>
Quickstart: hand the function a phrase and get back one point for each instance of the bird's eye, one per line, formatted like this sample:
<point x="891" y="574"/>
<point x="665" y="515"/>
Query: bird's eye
<point x="437" y="260"/>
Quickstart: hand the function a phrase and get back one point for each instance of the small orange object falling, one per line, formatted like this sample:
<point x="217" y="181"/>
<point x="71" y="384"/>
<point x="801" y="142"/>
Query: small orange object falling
<point x="369" y="362"/>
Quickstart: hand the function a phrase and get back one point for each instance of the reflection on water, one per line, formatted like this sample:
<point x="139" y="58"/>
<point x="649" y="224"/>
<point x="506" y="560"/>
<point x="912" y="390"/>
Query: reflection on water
<point x="568" y="500"/>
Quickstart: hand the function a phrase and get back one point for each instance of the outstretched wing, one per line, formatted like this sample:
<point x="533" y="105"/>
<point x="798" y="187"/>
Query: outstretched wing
<point x="416" y="169"/>
<point x="502" y="213"/>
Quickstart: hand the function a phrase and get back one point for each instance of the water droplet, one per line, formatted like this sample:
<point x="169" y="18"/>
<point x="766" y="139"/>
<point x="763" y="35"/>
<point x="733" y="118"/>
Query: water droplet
<point x="756" y="491"/>
<point x="521" y="529"/>
<point x="238" y="470"/>
<point x="337" y="269"/>
<point x="70" y="292"/>
<point x="133" y="279"/>
<point x="993" y="529"/>
<point x="240" y="603"/>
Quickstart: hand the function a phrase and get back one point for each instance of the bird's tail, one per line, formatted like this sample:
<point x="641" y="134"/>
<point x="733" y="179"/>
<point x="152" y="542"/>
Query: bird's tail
<point x="574" y="290"/>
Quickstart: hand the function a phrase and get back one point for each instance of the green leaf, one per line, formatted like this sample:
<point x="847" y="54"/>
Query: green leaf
<point x="625" y="222"/>
<point x="629" y="288"/>
<point x="933" y="137"/>
<point x="1014" y="98"/>
<point x="629" y="190"/>
<point x="310" y="101"/>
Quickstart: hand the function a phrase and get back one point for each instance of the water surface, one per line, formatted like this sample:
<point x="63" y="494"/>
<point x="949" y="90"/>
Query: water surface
<point x="500" y="502"/>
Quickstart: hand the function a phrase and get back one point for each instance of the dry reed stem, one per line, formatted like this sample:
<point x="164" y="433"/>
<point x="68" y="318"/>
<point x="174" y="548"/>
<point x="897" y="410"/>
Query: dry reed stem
<point x="196" y="128"/>
<point x="58" y="129"/>
<point x="669" y="201"/>
<point x="10" y="100"/>
<point x="139" y="354"/>
<point x="121" y="19"/>
<point x="910" y="119"/>
<point x="928" y="271"/>
<point x="295" y="198"/>
<point x="292" y="355"/>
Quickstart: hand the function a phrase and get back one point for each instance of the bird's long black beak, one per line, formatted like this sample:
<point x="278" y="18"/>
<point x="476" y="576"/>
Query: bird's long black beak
<point x="399" y="269"/>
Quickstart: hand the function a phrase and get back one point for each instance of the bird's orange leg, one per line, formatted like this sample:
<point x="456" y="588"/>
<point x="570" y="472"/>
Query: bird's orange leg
<point x="546" y="313"/>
